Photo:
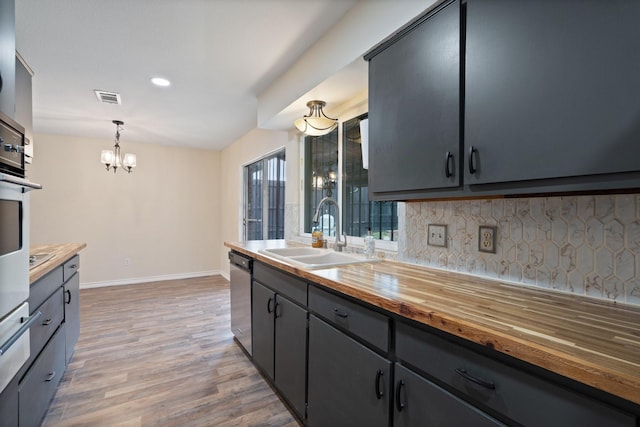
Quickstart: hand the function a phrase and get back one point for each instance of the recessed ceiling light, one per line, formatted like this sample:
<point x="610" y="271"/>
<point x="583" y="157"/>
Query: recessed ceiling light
<point x="159" y="81"/>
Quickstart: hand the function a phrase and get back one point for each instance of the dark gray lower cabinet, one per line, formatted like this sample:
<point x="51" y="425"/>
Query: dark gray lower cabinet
<point x="290" y="356"/>
<point x="520" y="396"/>
<point x="263" y="328"/>
<point x="280" y="344"/>
<point x="9" y="404"/>
<point x="40" y="383"/>
<point x="72" y="313"/>
<point x="348" y="384"/>
<point x="419" y="402"/>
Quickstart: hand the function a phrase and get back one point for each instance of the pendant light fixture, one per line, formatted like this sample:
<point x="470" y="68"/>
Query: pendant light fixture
<point x="113" y="158"/>
<point x="316" y="123"/>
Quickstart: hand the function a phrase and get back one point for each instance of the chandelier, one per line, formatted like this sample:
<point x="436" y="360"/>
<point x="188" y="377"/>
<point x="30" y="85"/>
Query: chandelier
<point x="316" y="123"/>
<point x="113" y="158"/>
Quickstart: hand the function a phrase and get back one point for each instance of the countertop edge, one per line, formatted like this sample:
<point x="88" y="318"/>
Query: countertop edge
<point x="62" y="252"/>
<point x="567" y="365"/>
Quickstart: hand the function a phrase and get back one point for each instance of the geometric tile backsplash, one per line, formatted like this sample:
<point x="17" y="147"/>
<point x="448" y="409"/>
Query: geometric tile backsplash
<point x="587" y="245"/>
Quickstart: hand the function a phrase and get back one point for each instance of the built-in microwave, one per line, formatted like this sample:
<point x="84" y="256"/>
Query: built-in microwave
<point x="11" y="147"/>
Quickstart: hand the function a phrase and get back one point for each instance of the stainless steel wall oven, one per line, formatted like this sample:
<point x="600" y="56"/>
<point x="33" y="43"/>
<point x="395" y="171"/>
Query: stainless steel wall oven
<point x="14" y="255"/>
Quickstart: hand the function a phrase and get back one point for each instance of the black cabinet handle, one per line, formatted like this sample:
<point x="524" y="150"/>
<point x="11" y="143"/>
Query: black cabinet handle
<point x="467" y="376"/>
<point x="269" y="309"/>
<point x="447" y="164"/>
<point x="51" y="376"/>
<point x="472" y="160"/>
<point x="46" y="322"/>
<point x="379" y="392"/>
<point x="275" y="310"/>
<point x="399" y="404"/>
<point x="73" y="266"/>
<point x="68" y="292"/>
<point x="340" y="314"/>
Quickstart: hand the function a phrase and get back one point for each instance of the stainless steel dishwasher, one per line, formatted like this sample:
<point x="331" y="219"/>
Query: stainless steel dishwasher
<point x="240" y="270"/>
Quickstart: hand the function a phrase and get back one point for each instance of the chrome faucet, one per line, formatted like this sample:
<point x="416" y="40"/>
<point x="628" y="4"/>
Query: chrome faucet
<point x="339" y="244"/>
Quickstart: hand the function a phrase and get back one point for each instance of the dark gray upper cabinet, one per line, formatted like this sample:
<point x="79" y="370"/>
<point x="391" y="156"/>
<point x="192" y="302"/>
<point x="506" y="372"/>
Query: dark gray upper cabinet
<point x="414" y="108"/>
<point x="7" y="57"/>
<point x="551" y="89"/>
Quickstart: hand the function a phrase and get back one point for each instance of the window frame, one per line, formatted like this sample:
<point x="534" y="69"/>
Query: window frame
<point x="385" y="245"/>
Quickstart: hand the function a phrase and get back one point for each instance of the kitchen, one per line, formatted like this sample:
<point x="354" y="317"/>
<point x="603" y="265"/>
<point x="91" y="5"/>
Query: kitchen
<point x="126" y="213"/>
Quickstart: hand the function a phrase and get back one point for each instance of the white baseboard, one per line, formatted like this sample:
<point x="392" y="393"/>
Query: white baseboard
<point x="148" y="279"/>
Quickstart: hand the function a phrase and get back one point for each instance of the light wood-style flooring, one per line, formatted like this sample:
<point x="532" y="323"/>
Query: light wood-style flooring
<point x="162" y="354"/>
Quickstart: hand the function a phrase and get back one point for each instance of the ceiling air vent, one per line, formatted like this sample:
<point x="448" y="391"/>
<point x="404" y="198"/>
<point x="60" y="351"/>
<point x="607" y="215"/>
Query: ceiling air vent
<point x="108" y="97"/>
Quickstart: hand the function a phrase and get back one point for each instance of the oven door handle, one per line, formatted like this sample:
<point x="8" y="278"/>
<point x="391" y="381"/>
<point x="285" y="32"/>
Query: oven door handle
<point x="28" y="185"/>
<point x="24" y="328"/>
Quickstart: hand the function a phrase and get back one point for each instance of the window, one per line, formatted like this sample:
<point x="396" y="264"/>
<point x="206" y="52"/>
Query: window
<point x="322" y="180"/>
<point x="359" y="213"/>
<point x="264" y="182"/>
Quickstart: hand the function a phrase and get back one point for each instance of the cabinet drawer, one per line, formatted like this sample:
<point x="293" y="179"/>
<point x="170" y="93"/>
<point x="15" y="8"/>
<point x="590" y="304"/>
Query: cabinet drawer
<point x="419" y="402"/>
<point x="70" y="267"/>
<point x="290" y="286"/>
<point x="43" y="288"/>
<point x="518" y="395"/>
<point x="52" y="315"/>
<point x="365" y="323"/>
<point x="39" y="385"/>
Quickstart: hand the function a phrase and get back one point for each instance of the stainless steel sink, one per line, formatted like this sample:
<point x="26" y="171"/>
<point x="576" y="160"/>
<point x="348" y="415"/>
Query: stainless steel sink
<point x="313" y="258"/>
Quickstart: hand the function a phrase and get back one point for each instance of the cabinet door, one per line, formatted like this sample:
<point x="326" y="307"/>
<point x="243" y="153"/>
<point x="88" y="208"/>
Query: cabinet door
<point x="419" y="402"/>
<point x="414" y="108"/>
<point x="72" y="313"/>
<point x="263" y="303"/>
<point x="348" y="385"/>
<point x="39" y="385"/>
<point x="9" y="404"/>
<point x="291" y="352"/>
<point x="7" y="57"/>
<point x="551" y="89"/>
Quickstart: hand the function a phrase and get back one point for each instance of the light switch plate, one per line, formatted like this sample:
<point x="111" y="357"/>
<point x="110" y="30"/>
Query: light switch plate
<point x="487" y="238"/>
<point x="437" y="235"/>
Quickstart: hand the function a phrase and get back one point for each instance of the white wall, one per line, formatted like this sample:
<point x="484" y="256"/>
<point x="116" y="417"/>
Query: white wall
<point x="164" y="216"/>
<point x="254" y="145"/>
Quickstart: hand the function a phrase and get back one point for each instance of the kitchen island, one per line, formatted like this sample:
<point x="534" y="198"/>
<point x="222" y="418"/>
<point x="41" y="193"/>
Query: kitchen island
<point x="595" y="344"/>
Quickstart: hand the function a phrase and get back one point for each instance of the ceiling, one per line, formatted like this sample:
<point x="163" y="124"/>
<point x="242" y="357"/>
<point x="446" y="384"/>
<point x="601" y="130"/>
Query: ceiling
<point x="220" y="56"/>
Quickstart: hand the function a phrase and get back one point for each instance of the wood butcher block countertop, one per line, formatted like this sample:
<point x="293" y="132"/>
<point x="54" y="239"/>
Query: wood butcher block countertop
<point x="61" y="253"/>
<point x="592" y="341"/>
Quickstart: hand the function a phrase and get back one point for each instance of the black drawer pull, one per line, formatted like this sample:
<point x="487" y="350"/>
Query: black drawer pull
<point x="73" y="266"/>
<point x="472" y="160"/>
<point x="68" y="292"/>
<point x="447" y="164"/>
<point x="47" y="322"/>
<point x="486" y="384"/>
<point x="51" y="376"/>
<point x="399" y="404"/>
<point x="269" y="309"/>
<point x="379" y="392"/>
<point x="340" y="314"/>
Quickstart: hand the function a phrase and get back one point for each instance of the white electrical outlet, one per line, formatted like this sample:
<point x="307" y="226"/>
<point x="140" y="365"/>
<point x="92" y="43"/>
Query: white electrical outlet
<point x="127" y="261"/>
<point x="487" y="238"/>
<point x="437" y="235"/>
